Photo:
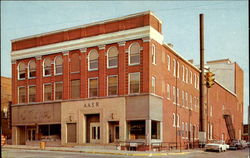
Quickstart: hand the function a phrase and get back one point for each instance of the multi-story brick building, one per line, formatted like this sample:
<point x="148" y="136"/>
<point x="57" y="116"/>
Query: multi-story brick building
<point x="114" y="80"/>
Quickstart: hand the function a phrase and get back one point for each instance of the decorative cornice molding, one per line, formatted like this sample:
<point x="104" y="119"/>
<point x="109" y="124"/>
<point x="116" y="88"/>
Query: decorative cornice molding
<point x="102" y="47"/>
<point x="146" y="39"/>
<point x="122" y="43"/>
<point x="65" y="53"/>
<point x="83" y="50"/>
<point x="38" y="57"/>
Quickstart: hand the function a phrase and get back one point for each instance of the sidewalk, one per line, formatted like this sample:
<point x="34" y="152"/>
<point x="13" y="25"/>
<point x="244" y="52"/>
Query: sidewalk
<point x="83" y="149"/>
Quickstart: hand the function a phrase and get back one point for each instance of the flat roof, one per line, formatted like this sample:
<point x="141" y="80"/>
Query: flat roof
<point x="90" y="24"/>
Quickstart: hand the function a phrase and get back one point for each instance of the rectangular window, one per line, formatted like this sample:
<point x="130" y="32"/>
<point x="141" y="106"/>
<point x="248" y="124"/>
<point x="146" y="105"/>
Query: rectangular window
<point x="174" y="96"/>
<point x="47" y="91"/>
<point x="155" y="129"/>
<point x="197" y="86"/>
<point x="75" y="89"/>
<point x="153" y="85"/>
<point x="191" y="104"/>
<point x="134" y="82"/>
<point x="186" y="75"/>
<point x="93" y="87"/>
<point x="178" y="96"/>
<point x="112" y="85"/>
<point x="211" y="111"/>
<point x="174" y="67"/>
<point x="191" y="80"/>
<point x="174" y="120"/>
<point x="21" y="94"/>
<point x="168" y="92"/>
<point x="178" y="69"/>
<point x="186" y="100"/>
<point x="153" y="55"/>
<point x="183" y="73"/>
<point x="168" y="62"/>
<point x="186" y="129"/>
<point x="58" y="90"/>
<point x="178" y="120"/>
<point x="183" y="98"/>
<point x="32" y="93"/>
<point x="136" y="129"/>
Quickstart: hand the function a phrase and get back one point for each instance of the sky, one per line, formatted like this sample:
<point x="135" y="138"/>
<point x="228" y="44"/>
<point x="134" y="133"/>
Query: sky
<point x="225" y="24"/>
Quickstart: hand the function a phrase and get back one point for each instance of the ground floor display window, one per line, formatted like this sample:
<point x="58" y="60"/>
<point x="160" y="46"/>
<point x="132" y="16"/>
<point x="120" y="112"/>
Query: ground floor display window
<point x="155" y="129"/>
<point x="136" y="129"/>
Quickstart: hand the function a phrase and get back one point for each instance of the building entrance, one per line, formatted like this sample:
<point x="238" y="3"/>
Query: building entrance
<point x="94" y="132"/>
<point x="93" y="129"/>
<point x="113" y="131"/>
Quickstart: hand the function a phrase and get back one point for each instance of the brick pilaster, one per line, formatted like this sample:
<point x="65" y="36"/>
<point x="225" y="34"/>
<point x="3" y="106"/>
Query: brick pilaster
<point x="121" y="68"/>
<point x="66" y="76"/>
<point x="102" y="71"/>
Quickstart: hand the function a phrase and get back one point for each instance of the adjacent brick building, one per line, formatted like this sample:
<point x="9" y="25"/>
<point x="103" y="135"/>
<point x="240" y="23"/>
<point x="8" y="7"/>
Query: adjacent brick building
<point x="109" y="81"/>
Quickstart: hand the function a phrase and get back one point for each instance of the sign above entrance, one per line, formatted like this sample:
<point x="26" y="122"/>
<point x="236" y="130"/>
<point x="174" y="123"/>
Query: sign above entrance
<point x="91" y="105"/>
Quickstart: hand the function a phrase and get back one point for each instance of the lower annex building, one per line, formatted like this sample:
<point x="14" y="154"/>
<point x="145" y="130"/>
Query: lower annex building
<point x="109" y="81"/>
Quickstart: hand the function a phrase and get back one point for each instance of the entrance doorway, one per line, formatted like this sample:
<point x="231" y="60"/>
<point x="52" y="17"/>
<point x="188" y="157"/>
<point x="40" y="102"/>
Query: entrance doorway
<point x="113" y="131"/>
<point x="31" y="133"/>
<point x="93" y="129"/>
<point x="94" y="132"/>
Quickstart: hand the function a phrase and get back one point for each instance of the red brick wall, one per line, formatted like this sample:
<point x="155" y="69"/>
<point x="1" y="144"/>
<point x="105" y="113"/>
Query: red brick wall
<point x="72" y="34"/>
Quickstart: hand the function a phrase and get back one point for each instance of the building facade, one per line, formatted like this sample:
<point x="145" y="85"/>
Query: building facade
<point x="104" y="82"/>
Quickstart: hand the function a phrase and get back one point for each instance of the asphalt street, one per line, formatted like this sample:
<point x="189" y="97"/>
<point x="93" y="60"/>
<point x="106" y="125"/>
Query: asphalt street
<point x="17" y="153"/>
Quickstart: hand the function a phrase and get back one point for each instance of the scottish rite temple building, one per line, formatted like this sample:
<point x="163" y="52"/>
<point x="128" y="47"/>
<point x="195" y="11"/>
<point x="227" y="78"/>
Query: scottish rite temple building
<point x="114" y="80"/>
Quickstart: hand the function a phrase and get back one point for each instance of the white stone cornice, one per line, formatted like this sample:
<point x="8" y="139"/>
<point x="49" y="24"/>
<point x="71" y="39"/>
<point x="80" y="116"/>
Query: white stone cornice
<point x="39" y="57"/>
<point x="122" y="43"/>
<point x="13" y="61"/>
<point x="65" y="53"/>
<point x="146" y="39"/>
<point x="102" y="47"/>
<point x="104" y="39"/>
<point x="83" y="50"/>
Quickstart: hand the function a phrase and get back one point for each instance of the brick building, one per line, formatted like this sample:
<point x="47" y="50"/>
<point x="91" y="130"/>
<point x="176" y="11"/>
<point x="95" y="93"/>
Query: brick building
<point x="108" y="81"/>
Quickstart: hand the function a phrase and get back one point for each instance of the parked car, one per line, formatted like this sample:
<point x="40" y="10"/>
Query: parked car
<point x="216" y="146"/>
<point x="243" y="143"/>
<point x="235" y="145"/>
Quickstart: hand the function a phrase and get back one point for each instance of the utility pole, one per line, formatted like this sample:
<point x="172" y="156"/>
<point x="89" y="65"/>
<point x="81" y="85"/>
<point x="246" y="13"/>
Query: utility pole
<point x="202" y="135"/>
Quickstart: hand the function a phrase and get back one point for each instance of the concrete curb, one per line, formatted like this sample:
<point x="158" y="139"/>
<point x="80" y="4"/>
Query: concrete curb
<point x="103" y="152"/>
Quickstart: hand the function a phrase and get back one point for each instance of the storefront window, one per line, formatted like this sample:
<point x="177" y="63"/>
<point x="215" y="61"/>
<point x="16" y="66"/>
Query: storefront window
<point x="155" y="129"/>
<point x="136" y="129"/>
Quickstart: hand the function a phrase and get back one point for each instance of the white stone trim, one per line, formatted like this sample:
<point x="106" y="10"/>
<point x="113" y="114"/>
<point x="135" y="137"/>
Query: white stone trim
<point x="39" y="57"/>
<point x="104" y="39"/>
<point x="102" y="47"/>
<point x="65" y="53"/>
<point x="83" y="50"/>
<point x="122" y="43"/>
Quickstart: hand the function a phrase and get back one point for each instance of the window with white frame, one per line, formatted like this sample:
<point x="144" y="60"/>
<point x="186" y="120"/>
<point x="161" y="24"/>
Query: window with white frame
<point x="174" y="125"/>
<point x="75" y="62"/>
<point x="174" y="67"/>
<point x="21" y="94"/>
<point x="178" y="69"/>
<point x="186" y="129"/>
<point x="153" y="55"/>
<point x="112" y="85"/>
<point x="195" y="80"/>
<point x="194" y="103"/>
<point x="183" y="98"/>
<point x="134" y="54"/>
<point x="183" y="73"/>
<point x="134" y="82"/>
<point x="169" y="64"/>
<point x="93" y="60"/>
<point x="186" y="75"/>
<point x="187" y="100"/>
<point x="153" y="84"/>
<point x="58" y="90"/>
<point x="191" y="130"/>
<point x="21" y="71"/>
<point x="75" y="89"/>
<point x="174" y="96"/>
<point x="32" y="69"/>
<point x="182" y="128"/>
<point x="178" y="96"/>
<point x="211" y="131"/>
<point x="32" y="93"/>
<point x="58" y="65"/>
<point x="191" y="77"/>
<point x="47" y="93"/>
<point x="191" y="104"/>
<point x="178" y="120"/>
<point x="168" y="92"/>
<point x="93" y="87"/>
<point x="47" y="67"/>
<point x="112" y="56"/>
